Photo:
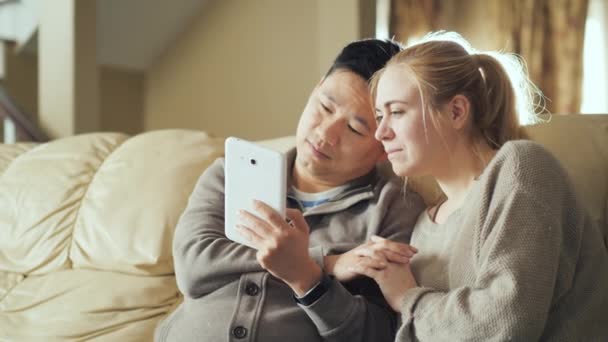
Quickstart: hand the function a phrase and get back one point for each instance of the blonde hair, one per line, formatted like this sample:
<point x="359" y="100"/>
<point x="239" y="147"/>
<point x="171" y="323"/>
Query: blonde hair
<point x="496" y="84"/>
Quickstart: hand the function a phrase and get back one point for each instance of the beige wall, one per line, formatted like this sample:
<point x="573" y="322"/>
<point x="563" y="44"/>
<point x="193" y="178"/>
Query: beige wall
<point x="122" y="100"/>
<point x="21" y="79"/>
<point x="246" y="68"/>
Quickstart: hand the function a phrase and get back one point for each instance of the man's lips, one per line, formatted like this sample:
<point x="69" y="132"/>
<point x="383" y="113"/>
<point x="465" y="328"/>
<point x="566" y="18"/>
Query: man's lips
<point x="317" y="151"/>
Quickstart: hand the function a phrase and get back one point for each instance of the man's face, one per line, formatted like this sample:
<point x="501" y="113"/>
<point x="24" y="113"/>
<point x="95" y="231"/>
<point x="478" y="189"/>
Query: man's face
<point x="335" y="136"/>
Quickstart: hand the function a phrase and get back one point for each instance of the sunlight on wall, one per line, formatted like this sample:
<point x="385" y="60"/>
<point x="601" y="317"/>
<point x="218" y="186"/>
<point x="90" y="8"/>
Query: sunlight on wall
<point x="595" y="72"/>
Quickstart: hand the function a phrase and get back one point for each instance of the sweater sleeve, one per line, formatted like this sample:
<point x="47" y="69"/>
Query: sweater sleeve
<point x="341" y="316"/>
<point x="205" y="259"/>
<point x="528" y="225"/>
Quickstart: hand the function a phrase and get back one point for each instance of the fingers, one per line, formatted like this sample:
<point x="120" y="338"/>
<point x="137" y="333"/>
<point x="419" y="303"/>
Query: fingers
<point x="250" y="235"/>
<point x="397" y="247"/>
<point x="396" y="257"/>
<point x="269" y="214"/>
<point x="297" y="219"/>
<point x="371" y="252"/>
<point x="365" y="270"/>
<point x="254" y="222"/>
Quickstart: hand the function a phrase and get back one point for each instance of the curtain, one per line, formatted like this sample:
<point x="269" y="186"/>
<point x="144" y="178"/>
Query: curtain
<point x="548" y="34"/>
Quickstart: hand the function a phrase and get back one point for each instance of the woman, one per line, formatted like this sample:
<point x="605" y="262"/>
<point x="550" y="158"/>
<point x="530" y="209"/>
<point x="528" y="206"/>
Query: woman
<point x="510" y="254"/>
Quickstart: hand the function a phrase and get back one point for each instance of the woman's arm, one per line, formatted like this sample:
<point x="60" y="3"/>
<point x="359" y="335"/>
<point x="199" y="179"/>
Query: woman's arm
<point x="512" y="294"/>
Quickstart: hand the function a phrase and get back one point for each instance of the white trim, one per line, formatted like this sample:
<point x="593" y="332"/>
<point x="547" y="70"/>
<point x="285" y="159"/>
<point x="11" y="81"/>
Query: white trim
<point x="595" y="54"/>
<point x="383" y="15"/>
<point x="10" y="131"/>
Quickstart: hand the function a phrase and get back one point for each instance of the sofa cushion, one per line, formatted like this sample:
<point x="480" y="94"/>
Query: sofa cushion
<point x="127" y="218"/>
<point x="41" y="194"/>
<point x="99" y="201"/>
<point x="81" y="305"/>
<point x="8" y="152"/>
<point x="8" y="280"/>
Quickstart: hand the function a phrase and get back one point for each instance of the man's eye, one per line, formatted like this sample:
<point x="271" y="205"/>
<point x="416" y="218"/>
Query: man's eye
<point x="354" y="130"/>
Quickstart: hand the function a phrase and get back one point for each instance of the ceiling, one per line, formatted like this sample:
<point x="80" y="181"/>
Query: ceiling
<point x="131" y="34"/>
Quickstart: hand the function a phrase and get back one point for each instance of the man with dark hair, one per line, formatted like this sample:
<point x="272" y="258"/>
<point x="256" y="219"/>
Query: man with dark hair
<point x="290" y="288"/>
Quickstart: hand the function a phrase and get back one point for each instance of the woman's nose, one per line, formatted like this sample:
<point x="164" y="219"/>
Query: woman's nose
<point x="383" y="132"/>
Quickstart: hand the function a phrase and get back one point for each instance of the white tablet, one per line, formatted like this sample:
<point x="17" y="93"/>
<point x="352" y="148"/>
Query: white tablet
<point x="251" y="172"/>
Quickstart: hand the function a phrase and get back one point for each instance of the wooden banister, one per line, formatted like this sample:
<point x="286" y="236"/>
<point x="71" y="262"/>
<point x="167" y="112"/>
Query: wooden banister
<point x="26" y="129"/>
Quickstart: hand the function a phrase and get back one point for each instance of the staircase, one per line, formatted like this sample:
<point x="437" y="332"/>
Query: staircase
<point x="18" y="29"/>
<point x="54" y="54"/>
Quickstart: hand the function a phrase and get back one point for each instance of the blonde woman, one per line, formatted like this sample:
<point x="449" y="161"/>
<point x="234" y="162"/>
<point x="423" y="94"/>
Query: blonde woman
<point x="510" y="254"/>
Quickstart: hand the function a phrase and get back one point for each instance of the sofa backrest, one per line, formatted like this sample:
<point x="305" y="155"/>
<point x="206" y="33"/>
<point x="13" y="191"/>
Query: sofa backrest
<point x="99" y="201"/>
<point x="580" y="142"/>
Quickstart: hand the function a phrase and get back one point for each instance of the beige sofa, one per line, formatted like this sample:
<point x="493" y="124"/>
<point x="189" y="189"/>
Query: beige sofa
<point x="86" y="223"/>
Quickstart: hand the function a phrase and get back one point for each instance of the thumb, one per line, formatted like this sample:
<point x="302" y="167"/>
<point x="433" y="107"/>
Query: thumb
<point x="298" y="220"/>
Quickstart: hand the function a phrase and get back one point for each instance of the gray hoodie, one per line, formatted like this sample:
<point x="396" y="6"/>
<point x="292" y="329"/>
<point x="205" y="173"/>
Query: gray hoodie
<point x="228" y="296"/>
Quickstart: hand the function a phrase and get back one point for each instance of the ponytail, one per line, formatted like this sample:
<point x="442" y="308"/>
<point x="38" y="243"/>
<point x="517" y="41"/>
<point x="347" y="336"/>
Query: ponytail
<point x="497" y="118"/>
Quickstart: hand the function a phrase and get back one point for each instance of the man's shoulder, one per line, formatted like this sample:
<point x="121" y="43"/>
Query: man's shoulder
<point x="392" y="190"/>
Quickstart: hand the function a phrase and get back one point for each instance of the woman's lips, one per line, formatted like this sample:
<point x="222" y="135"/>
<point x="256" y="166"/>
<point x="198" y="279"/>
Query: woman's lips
<point x="392" y="151"/>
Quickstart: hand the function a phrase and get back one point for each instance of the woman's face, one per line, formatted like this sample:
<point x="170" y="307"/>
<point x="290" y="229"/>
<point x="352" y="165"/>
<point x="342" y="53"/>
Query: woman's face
<point x="407" y="134"/>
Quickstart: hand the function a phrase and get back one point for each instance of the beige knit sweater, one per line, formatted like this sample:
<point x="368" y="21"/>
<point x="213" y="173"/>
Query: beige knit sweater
<point x="520" y="261"/>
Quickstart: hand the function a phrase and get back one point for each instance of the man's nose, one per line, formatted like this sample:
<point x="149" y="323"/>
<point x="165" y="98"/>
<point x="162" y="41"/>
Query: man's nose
<point x="330" y="131"/>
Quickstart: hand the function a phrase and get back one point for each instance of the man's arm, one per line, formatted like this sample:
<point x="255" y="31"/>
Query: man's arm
<point x="342" y="316"/>
<point x="204" y="258"/>
<point x="338" y="315"/>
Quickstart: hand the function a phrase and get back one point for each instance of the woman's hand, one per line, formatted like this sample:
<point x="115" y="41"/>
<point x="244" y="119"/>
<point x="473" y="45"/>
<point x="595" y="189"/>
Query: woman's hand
<point x="394" y="279"/>
<point x="378" y="253"/>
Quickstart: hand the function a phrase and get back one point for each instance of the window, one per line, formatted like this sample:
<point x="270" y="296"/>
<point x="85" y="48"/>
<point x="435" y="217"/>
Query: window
<point x="595" y="55"/>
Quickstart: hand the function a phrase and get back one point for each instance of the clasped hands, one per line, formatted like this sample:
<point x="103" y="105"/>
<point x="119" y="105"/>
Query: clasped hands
<point x="282" y="249"/>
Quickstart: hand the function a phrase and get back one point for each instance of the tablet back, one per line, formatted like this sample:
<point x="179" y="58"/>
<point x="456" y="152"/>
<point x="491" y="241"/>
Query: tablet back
<point x="252" y="172"/>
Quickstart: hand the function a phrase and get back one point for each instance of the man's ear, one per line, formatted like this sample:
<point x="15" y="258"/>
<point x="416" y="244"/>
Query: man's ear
<point x="459" y="110"/>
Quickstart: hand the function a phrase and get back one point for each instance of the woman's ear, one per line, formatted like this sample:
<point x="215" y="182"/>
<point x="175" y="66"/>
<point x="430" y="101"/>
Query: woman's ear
<point x="459" y="111"/>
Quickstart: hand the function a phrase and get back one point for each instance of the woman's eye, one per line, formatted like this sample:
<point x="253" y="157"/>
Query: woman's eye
<point x="325" y="108"/>
<point x="397" y="112"/>
<point x="378" y="118"/>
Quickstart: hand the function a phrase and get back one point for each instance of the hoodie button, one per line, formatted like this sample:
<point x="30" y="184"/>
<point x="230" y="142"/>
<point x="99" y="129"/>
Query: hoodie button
<point x="252" y="289"/>
<point x="239" y="332"/>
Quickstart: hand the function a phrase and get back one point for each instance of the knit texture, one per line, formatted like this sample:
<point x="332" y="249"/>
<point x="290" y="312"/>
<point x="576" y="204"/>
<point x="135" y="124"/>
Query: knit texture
<point x="520" y="261"/>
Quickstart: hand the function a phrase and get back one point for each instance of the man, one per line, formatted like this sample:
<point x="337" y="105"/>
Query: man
<point x="284" y="290"/>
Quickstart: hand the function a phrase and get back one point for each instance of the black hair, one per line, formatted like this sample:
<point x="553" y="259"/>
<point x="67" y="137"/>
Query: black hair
<point x="365" y="57"/>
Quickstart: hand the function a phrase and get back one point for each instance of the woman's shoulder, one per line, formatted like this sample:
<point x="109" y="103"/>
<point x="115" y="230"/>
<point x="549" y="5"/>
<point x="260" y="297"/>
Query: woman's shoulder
<point x="528" y="156"/>
<point x="528" y="164"/>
